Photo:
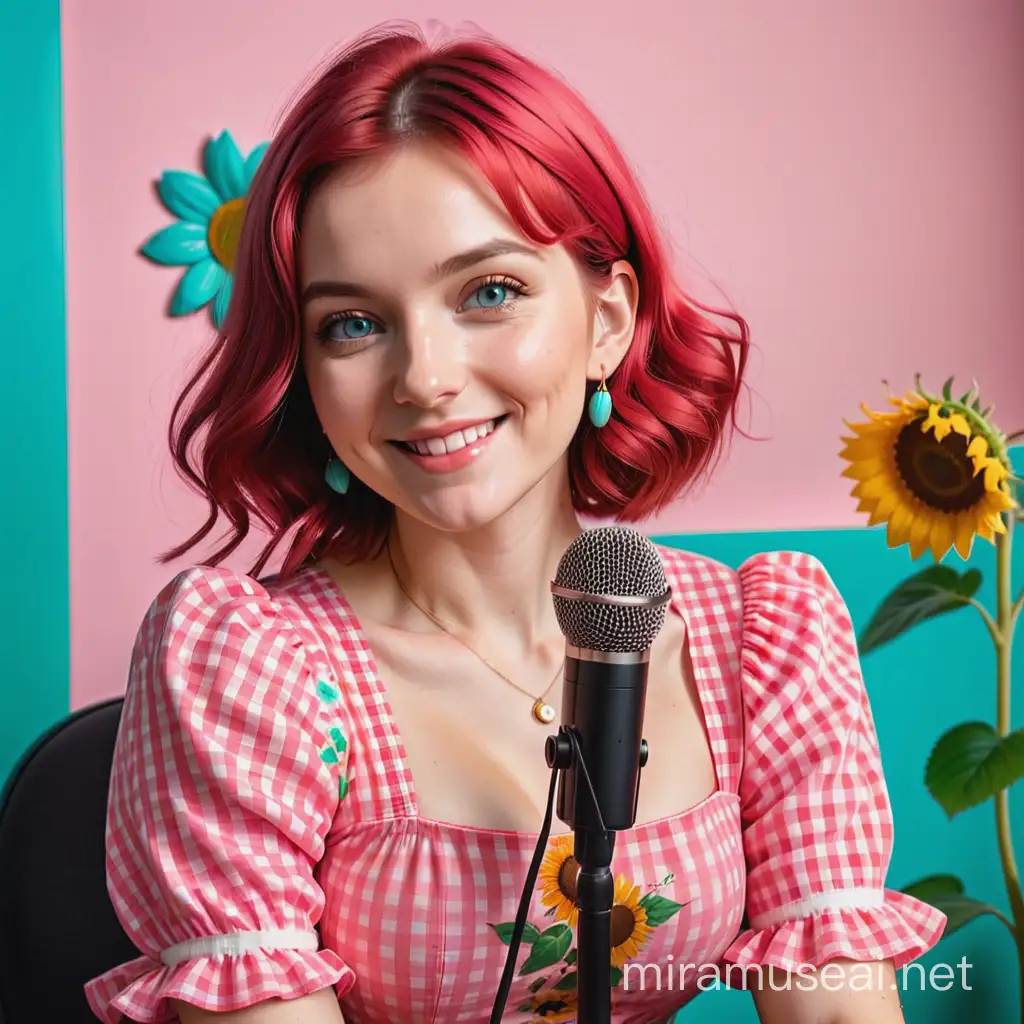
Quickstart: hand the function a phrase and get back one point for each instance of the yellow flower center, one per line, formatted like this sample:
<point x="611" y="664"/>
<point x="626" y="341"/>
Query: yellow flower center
<point x="225" y="230"/>
<point x="939" y="473"/>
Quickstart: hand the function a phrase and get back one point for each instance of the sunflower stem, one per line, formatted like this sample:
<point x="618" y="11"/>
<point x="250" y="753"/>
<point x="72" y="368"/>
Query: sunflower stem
<point x="1003" y="644"/>
<point x="990" y="623"/>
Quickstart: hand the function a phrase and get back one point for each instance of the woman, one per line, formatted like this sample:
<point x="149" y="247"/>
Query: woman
<point x="326" y="782"/>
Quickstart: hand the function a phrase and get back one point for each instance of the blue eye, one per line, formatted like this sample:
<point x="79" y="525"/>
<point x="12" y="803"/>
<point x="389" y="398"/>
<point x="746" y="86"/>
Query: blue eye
<point x="492" y="295"/>
<point x="355" y="326"/>
<point x="347" y="327"/>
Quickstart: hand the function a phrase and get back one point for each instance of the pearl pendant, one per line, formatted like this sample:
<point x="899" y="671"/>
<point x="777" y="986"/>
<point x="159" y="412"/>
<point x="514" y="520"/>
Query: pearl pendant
<point x="543" y="712"/>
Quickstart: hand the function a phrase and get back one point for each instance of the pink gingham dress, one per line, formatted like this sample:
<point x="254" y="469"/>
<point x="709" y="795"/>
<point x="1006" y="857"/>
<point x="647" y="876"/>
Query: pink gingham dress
<point x="264" y="838"/>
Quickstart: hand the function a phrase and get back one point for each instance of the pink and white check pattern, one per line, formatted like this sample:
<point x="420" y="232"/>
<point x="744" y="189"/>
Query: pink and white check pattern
<point x="264" y="838"/>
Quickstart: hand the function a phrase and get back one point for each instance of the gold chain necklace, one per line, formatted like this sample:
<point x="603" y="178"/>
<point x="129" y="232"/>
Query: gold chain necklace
<point x="542" y="711"/>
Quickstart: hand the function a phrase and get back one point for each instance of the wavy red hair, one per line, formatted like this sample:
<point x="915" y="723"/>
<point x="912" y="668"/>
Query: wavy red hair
<point x="244" y="432"/>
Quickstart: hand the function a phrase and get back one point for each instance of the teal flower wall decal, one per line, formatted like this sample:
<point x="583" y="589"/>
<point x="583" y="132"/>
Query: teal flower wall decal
<point x="210" y="209"/>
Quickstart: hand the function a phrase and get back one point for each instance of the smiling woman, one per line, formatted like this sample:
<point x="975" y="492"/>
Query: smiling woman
<point x="330" y="778"/>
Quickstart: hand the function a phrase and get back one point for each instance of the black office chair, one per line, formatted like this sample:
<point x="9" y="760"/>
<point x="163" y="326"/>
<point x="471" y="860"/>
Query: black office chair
<point x="57" y="925"/>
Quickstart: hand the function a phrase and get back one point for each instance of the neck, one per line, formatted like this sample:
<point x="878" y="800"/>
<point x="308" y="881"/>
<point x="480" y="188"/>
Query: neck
<point x="497" y="575"/>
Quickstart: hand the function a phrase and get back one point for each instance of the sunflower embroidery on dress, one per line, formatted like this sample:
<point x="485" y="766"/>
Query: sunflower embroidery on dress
<point x="552" y="946"/>
<point x="935" y="471"/>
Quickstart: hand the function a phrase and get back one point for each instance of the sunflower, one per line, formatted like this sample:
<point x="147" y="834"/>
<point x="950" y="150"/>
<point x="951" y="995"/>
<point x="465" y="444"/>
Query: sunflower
<point x="936" y="471"/>
<point x="554" y="1005"/>
<point x="205" y="238"/>
<point x="630" y="929"/>
<point x="557" y="880"/>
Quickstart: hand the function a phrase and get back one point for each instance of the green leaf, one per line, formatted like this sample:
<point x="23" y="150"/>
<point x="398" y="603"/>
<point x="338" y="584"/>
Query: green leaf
<point x="934" y="887"/>
<point x="567" y="983"/>
<point x="525" y="1008"/>
<point x="570" y="957"/>
<point x="947" y="389"/>
<point x="971" y="763"/>
<point x="548" y="948"/>
<point x="659" y="910"/>
<point x="537" y="984"/>
<point x="946" y="893"/>
<point x="616" y="976"/>
<point x="506" y="928"/>
<point x="935" y="591"/>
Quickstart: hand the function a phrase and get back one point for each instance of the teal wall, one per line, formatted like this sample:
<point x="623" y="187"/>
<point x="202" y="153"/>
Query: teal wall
<point x="927" y="681"/>
<point x="34" y="682"/>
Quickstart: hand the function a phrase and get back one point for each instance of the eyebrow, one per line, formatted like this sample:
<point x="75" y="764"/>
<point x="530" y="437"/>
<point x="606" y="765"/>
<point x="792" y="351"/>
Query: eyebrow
<point x="453" y="265"/>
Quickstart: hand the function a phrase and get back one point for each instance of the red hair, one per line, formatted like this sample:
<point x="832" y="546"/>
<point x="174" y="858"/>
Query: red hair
<point x="562" y="179"/>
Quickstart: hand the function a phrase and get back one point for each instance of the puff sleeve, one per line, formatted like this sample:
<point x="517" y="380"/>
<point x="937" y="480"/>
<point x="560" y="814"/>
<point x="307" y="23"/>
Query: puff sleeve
<point x="227" y="774"/>
<point x="817" y="824"/>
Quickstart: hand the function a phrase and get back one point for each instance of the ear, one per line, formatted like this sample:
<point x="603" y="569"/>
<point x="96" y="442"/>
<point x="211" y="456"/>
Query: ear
<point x="614" y="320"/>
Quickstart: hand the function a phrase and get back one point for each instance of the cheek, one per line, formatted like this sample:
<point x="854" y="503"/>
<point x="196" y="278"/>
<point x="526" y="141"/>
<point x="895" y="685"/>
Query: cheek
<point x="539" y="357"/>
<point x="344" y="393"/>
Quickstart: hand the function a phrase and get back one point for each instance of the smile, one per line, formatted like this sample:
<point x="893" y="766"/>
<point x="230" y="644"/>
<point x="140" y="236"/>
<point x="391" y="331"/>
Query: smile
<point x="453" y="450"/>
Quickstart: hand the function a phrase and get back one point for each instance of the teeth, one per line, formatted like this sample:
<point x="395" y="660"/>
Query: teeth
<point x="452" y="442"/>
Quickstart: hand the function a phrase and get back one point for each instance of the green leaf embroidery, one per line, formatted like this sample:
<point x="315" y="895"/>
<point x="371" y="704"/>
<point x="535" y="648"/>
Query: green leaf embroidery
<point x="567" y="983"/>
<point x="506" y="928"/>
<point x="659" y="910"/>
<point x="329" y="756"/>
<point x="339" y="740"/>
<point x="326" y="692"/>
<point x="616" y="976"/>
<point x="548" y="949"/>
<point x="570" y="957"/>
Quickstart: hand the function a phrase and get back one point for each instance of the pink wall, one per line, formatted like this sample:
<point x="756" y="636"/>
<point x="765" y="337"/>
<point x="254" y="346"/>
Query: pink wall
<point x="848" y="173"/>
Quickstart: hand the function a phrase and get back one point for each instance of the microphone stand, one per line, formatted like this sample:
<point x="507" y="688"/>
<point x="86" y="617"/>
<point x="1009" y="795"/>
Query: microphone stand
<point x="601" y="743"/>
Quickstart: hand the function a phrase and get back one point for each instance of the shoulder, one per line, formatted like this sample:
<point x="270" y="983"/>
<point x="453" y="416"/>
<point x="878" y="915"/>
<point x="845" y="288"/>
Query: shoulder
<point x="213" y="630"/>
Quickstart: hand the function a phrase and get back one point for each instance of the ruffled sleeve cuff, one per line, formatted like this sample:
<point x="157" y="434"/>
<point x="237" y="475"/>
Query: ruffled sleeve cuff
<point x="142" y="989"/>
<point x="892" y="926"/>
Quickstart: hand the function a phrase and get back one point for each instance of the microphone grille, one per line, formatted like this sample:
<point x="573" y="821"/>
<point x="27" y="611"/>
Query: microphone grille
<point x="614" y="562"/>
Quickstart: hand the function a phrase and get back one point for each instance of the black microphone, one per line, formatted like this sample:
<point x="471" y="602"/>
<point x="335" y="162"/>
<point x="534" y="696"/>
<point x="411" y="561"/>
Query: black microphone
<point x="610" y="596"/>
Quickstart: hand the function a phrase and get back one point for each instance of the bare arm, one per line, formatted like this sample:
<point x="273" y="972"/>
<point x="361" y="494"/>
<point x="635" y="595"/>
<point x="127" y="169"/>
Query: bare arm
<point x="317" y="1008"/>
<point x="840" y="992"/>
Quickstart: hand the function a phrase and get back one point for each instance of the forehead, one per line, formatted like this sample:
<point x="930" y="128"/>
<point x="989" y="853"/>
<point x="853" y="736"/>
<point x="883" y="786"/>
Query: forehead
<point x="397" y="213"/>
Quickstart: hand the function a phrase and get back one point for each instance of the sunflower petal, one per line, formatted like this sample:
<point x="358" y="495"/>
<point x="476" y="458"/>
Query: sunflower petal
<point x="942" y="536"/>
<point x="978" y="448"/>
<point x="188" y="196"/>
<point x="865" y="469"/>
<point x="959" y="425"/>
<point x="197" y="287"/>
<point x="920" y="534"/>
<point x="964" y="540"/>
<point x="224" y="167"/>
<point x="177" y="245"/>
<point x="898" y="532"/>
<point x="252" y="162"/>
<point x="995" y="474"/>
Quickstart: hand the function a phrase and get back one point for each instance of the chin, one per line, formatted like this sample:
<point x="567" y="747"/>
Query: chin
<point x="465" y="509"/>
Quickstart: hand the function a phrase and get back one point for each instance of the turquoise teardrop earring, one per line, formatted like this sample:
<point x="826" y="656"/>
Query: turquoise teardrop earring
<point x="600" y="409"/>
<point x="337" y="476"/>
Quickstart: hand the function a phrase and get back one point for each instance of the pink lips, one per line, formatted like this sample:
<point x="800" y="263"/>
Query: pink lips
<point x="451" y="461"/>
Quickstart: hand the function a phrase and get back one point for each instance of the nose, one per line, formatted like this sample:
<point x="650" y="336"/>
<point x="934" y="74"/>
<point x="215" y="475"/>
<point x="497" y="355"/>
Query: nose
<point x="433" y="365"/>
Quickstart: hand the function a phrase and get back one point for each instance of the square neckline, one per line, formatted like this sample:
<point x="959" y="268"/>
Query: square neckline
<point x="691" y="647"/>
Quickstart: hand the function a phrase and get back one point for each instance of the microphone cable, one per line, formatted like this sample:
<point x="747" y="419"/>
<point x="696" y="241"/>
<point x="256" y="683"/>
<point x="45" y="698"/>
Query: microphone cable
<point x="516" y="938"/>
